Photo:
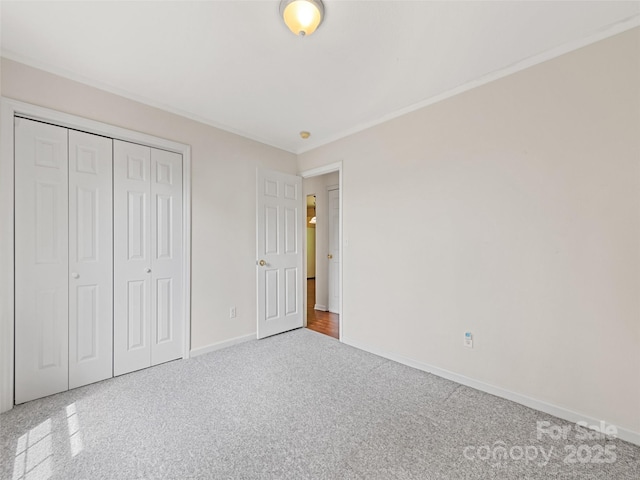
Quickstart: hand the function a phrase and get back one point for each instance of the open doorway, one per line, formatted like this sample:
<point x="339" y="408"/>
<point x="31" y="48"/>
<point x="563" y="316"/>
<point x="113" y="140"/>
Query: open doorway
<point x="323" y="255"/>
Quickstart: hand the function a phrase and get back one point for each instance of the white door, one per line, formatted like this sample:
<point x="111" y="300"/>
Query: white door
<point x="90" y="259"/>
<point x="41" y="260"/>
<point x="148" y="289"/>
<point x="131" y="257"/>
<point x="166" y="253"/>
<point x="334" y="251"/>
<point x="279" y="252"/>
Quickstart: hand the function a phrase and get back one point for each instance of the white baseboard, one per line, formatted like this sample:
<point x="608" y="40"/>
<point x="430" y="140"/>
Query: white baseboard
<point x="560" y="412"/>
<point x="322" y="308"/>
<point x="220" y="345"/>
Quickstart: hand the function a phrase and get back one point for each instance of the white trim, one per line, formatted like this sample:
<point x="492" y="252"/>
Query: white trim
<point x="8" y="109"/>
<point x="186" y="250"/>
<point x="224" y="344"/>
<point x="540" y="405"/>
<point x="322" y="308"/>
<point x="36" y="112"/>
<point x="552" y="53"/>
<point x="609" y="31"/>
<point x="314" y="172"/>
<point x="322" y="170"/>
<point x="137" y="98"/>
<point x="6" y="258"/>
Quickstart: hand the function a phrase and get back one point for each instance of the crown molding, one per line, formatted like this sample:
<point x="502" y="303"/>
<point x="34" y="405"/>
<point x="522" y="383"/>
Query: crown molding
<point x="136" y="98"/>
<point x="609" y="31"/>
<point x="606" y="32"/>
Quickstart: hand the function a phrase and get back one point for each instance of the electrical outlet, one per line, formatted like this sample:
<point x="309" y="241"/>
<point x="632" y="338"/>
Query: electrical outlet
<point x="468" y="339"/>
<point x="232" y="312"/>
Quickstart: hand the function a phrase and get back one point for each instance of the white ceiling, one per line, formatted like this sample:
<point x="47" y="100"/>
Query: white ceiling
<point x="234" y="65"/>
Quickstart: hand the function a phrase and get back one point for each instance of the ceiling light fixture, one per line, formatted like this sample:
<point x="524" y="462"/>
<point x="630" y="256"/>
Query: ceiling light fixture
<point x="305" y="135"/>
<point x="302" y="16"/>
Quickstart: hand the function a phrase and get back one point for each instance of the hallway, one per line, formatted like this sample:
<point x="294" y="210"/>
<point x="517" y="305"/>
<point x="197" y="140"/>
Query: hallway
<point x="322" y="322"/>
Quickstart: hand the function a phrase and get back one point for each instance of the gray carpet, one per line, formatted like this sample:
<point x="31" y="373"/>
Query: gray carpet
<point x="295" y="406"/>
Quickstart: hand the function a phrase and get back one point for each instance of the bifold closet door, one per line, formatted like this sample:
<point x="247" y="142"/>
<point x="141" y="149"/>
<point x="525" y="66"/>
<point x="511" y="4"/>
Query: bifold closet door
<point x="147" y="257"/>
<point x="131" y="257"/>
<point x="63" y="259"/>
<point x="90" y="258"/>
<point x="167" y="297"/>
<point x="41" y="260"/>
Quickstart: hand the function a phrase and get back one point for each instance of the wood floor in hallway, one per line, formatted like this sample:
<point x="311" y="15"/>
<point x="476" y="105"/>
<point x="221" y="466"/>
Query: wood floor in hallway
<point x="317" y="320"/>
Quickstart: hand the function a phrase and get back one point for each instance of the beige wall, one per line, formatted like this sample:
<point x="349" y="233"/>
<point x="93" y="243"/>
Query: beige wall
<point x="512" y="211"/>
<point x="318" y="186"/>
<point x="223" y="192"/>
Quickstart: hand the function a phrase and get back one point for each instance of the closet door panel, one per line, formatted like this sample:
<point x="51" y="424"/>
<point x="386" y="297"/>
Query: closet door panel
<point x="132" y="257"/>
<point x="166" y="251"/>
<point x="90" y="259"/>
<point x="41" y="260"/>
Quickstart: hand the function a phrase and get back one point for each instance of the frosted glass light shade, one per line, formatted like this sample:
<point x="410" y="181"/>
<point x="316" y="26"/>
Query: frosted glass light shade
<point x="302" y="16"/>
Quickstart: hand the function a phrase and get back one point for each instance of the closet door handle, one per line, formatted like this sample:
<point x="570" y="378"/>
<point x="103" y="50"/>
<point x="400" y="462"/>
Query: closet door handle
<point x="75" y="275"/>
<point x="148" y="270"/>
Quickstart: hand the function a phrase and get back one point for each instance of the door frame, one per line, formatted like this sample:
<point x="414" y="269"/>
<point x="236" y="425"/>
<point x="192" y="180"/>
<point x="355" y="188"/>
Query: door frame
<point x="315" y="172"/>
<point x="9" y="108"/>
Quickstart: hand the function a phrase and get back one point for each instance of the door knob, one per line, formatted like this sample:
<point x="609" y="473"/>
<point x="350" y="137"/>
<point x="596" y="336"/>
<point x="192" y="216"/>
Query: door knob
<point x="75" y="275"/>
<point x="329" y="256"/>
<point x="262" y="263"/>
<point x="148" y="270"/>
